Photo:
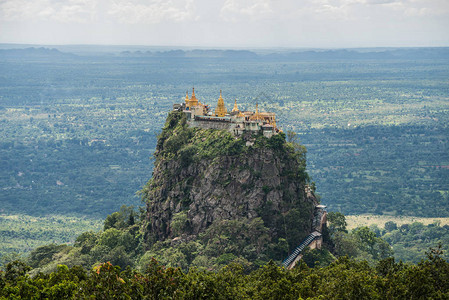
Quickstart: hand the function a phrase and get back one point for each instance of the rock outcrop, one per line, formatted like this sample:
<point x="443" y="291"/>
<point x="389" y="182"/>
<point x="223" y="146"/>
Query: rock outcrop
<point x="204" y="176"/>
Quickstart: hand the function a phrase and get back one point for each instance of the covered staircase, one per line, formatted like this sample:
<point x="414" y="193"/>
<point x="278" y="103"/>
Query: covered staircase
<point x="307" y="241"/>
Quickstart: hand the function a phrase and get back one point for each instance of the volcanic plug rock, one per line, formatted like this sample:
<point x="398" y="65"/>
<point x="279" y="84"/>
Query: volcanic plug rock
<point x="207" y="176"/>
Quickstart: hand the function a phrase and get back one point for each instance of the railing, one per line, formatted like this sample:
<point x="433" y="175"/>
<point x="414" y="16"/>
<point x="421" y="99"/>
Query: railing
<point x="309" y="239"/>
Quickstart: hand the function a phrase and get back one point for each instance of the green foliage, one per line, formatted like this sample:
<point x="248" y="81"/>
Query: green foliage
<point x="86" y="241"/>
<point x="345" y="245"/>
<point x="211" y="143"/>
<point x="362" y="243"/>
<point x="390" y="226"/>
<point x="222" y="243"/>
<point x="277" y="141"/>
<point x="342" y="279"/>
<point x="179" y="222"/>
<point x="364" y="170"/>
<point x="266" y="189"/>
<point x="296" y="224"/>
<point x="411" y="241"/>
<point x="337" y="222"/>
<point x="14" y="270"/>
<point x="178" y="140"/>
<point x="174" y="136"/>
<point x="110" y="238"/>
<point x="317" y="257"/>
<point x="272" y="282"/>
<point x="20" y="234"/>
<point x="187" y="154"/>
<point x="120" y="219"/>
<point x="365" y="237"/>
<point x="44" y="254"/>
<point x="120" y="244"/>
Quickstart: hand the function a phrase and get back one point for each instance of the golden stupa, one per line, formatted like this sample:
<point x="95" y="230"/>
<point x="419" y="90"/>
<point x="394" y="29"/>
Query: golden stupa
<point x="235" y="109"/>
<point x="193" y="100"/>
<point x="220" y="111"/>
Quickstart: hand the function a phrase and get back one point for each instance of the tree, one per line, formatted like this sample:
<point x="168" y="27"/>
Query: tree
<point x="120" y="219"/>
<point x="15" y="270"/>
<point x="317" y="257"/>
<point x="178" y="223"/>
<point x="104" y="282"/>
<point x="390" y="226"/>
<point x="110" y="238"/>
<point x="337" y="222"/>
<point x="292" y="137"/>
<point x="86" y="241"/>
<point x="366" y="238"/>
<point x="44" y="254"/>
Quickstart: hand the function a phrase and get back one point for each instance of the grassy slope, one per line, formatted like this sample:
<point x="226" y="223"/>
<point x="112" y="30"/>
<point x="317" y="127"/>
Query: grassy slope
<point x="22" y="233"/>
<point x="414" y="236"/>
<point x="380" y="220"/>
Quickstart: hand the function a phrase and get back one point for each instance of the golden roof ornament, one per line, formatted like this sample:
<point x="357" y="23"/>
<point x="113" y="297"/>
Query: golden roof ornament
<point x="187" y="98"/>
<point x="220" y="111"/>
<point x="256" y="115"/>
<point x="193" y="100"/>
<point x="235" y="109"/>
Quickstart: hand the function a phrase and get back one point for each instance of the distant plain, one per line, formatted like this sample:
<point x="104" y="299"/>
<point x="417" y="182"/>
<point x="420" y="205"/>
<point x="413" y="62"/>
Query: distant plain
<point x="78" y="132"/>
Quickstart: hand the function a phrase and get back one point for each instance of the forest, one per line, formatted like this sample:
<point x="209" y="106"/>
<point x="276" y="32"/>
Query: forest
<point x="78" y="132"/>
<point x="320" y="275"/>
<point x="343" y="279"/>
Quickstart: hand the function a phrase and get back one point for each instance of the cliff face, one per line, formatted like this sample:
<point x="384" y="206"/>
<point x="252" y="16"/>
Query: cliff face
<point x="203" y="177"/>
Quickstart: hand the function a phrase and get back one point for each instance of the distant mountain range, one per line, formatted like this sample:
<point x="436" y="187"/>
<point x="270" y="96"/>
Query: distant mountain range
<point x="34" y="53"/>
<point x="414" y="53"/>
<point x="338" y="54"/>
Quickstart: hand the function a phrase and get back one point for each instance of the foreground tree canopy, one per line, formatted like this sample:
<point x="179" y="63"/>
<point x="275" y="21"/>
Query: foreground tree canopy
<point x="343" y="279"/>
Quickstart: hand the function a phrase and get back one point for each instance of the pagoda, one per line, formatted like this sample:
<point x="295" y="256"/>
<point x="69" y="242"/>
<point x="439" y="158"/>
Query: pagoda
<point x="220" y="111"/>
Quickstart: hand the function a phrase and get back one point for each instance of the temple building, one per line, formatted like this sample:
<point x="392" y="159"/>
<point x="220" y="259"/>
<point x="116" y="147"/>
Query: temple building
<point x="236" y="121"/>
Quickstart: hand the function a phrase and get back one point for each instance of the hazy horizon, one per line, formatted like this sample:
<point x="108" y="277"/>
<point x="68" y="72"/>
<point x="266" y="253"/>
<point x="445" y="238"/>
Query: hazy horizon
<point x="248" y="24"/>
<point x="191" y="47"/>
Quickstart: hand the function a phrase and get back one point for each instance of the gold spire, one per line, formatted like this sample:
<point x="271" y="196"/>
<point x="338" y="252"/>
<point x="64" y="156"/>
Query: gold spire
<point x="220" y="111"/>
<point x="256" y="115"/>
<point x="235" y="109"/>
<point x="187" y="98"/>
<point x="193" y="100"/>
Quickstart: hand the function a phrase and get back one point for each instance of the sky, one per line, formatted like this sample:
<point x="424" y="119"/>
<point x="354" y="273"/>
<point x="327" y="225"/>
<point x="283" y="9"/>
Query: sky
<point x="227" y="23"/>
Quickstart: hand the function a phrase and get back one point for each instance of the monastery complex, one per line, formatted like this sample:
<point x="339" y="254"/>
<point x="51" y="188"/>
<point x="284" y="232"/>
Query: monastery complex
<point x="235" y="121"/>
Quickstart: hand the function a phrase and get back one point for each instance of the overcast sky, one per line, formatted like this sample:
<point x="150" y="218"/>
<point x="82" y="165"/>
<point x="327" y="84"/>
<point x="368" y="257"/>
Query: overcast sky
<point x="227" y="23"/>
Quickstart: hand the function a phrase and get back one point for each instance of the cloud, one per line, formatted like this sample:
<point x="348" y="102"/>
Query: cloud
<point x="84" y="11"/>
<point x="152" y="12"/>
<point x="177" y="11"/>
<point x="230" y="22"/>
<point x="354" y="10"/>
<point x="81" y="11"/>
<point x="422" y="8"/>
<point x="374" y="2"/>
<point x="233" y="10"/>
